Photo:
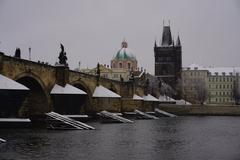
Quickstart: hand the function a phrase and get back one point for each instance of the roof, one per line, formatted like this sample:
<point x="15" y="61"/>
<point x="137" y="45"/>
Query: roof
<point x="195" y="66"/>
<point x="136" y="97"/>
<point x="215" y="70"/>
<point x="224" y="70"/>
<point x="68" y="89"/>
<point x="149" y="97"/>
<point x="9" y="84"/>
<point x="102" y="92"/>
<point x="124" y="53"/>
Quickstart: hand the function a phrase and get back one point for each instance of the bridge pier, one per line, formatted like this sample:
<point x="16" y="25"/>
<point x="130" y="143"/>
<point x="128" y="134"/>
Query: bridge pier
<point x="62" y="75"/>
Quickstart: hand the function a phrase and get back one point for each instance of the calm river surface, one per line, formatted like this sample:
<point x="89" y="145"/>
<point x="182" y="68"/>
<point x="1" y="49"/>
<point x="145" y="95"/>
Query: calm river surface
<point x="180" y="138"/>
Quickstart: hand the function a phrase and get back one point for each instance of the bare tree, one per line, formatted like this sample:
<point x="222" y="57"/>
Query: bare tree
<point x="201" y="90"/>
<point x="180" y="89"/>
<point x="236" y="90"/>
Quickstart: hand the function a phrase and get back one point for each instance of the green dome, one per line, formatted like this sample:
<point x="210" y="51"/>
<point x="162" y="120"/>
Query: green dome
<point x="124" y="53"/>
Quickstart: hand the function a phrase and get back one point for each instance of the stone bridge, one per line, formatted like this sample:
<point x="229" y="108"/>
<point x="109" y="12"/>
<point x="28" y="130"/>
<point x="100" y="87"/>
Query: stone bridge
<point x="40" y="79"/>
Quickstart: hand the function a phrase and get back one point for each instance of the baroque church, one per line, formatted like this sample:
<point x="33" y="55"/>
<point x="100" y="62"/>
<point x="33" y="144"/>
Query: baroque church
<point x="168" y="58"/>
<point x="124" y="59"/>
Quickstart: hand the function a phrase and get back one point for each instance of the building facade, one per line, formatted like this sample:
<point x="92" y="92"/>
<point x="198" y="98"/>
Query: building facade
<point x="211" y="85"/>
<point x="168" y="58"/>
<point x="118" y="74"/>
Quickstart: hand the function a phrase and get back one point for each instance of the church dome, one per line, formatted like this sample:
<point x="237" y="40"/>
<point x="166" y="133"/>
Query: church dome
<point x="124" y="53"/>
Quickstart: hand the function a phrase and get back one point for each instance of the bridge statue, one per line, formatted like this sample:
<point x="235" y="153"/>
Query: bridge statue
<point x="62" y="56"/>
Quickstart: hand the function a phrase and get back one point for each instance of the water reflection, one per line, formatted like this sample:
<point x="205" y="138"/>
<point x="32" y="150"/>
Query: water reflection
<point x="167" y="138"/>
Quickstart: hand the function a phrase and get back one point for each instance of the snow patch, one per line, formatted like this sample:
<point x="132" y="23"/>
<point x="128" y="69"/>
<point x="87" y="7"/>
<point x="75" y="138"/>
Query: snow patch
<point x="101" y="91"/>
<point x="149" y="97"/>
<point x="9" y="84"/>
<point x="136" y="97"/>
<point x="68" y="89"/>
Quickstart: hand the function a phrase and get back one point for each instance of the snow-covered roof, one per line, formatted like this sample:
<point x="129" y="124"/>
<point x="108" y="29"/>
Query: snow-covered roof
<point x="149" y="97"/>
<point x="9" y="84"/>
<point x="101" y="91"/>
<point x="182" y="102"/>
<point x="166" y="99"/>
<point x="195" y="66"/>
<point x="68" y="89"/>
<point x="215" y="70"/>
<point x="136" y="97"/>
<point x="223" y="70"/>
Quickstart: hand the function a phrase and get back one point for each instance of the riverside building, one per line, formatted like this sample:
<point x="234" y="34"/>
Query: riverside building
<point x="211" y="85"/>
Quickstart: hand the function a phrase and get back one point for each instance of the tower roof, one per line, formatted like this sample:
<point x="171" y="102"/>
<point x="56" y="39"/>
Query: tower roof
<point x="166" y="36"/>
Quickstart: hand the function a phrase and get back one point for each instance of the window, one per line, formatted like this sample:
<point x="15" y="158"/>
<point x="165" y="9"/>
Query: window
<point x="120" y="65"/>
<point x="105" y="75"/>
<point x="129" y="65"/>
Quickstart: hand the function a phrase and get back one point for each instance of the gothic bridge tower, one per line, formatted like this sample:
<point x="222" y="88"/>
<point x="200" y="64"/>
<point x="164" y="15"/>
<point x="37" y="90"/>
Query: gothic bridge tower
<point x="168" y="58"/>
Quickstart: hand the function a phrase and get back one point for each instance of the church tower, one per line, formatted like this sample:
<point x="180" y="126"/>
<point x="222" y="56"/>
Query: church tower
<point x="168" y="58"/>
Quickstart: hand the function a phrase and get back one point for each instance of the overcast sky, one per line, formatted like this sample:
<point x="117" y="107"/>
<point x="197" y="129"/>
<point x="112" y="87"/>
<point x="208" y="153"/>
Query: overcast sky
<point x="92" y="30"/>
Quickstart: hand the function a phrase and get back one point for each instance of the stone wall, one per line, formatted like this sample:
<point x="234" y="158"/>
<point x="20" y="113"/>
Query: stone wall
<point x="205" y="110"/>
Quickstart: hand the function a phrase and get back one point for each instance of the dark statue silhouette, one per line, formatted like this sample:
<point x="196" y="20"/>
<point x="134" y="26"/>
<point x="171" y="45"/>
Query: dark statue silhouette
<point x="62" y="56"/>
<point x="17" y="53"/>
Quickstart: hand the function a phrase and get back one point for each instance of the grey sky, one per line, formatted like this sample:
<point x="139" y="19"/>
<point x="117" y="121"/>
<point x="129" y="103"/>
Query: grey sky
<point x="92" y="30"/>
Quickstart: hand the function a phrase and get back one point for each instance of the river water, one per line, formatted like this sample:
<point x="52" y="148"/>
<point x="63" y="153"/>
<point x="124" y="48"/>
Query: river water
<point x="180" y="138"/>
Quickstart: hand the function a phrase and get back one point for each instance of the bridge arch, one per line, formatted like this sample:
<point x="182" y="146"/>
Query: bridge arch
<point x="38" y="100"/>
<point x="86" y="100"/>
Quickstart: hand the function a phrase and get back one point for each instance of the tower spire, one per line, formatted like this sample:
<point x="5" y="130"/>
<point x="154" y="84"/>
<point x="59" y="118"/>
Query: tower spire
<point x="178" y="42"/>
<point x="166" y="36"/>
<point x="173" y="40"/>
<point x="155" y="43"/>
